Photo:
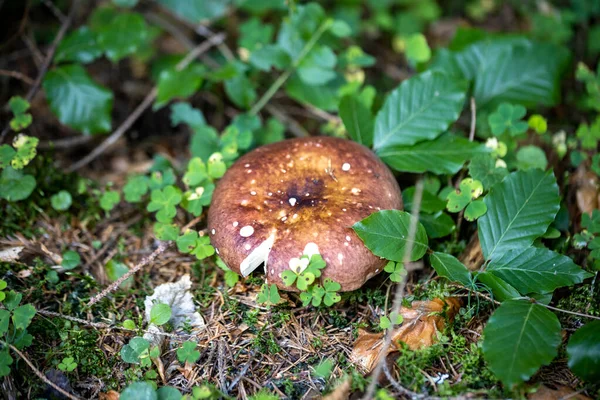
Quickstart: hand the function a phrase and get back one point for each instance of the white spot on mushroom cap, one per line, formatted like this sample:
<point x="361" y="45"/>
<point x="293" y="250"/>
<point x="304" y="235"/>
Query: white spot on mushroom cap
<point x="348" y="238"/>
<point x="253" y="193"/>
<point x="235" y="223"/>
<point x="340" y="257"/>
<point x="258" y="256"/>
<point x="355" y="191"/>
<point x="216" y="250"/>
<point x="292" y="201"/>
<point x="213" y="231"/>
<point x="246" y="231"/>
<point x="247" y="246"/>
<point x="346" y="167"/>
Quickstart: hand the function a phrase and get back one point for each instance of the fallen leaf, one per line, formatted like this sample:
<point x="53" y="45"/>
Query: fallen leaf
<point x="472" y="256"/>
<point x="560" y="393"/>
<point x="110" y="395"/>
<point x="11" y="254"/>
<point x="183" y="310"/>
<point x="587" y="192"/>
<point x="341" y="392"/>
<point x="421" y="323"/>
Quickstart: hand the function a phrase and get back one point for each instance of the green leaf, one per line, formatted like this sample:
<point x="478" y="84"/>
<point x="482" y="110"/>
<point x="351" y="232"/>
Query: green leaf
<point x="437" y="225"/>
<point x="77" y="100"/>
<point x="385" y="233"/>
<point x="196" y="11"/>
<point x="20" y="122"/>
<point x="444" y="155"/>
<point x="269" y="56"/>
<point x="474" y="210"/>
<point x="317" y="68"/>
<point x="61" y="201"/>
<point x="196" y="172"/>
<point x="416" y="48"/>
<point x="357" y="118"/>
<point x="6" y="155"/>
<point x="520" y="209"/>
<point x="323" y="369"/>
<point x="531" y="157"/>
<point x="288" y="277"/>
<point x="508" y="118"/>
<point x="304" y="280"/>
<point x="507" y="70"/>
<point x="421" y="108"/>
<point x="194" y="244"/>
<point x="5" y="362"/>
<point x="160" y="314"/>
<point x="519" y="338"/>
<point x="182" y="84"/>
<point x="538" y="123"/>
<point x="135" y="188"/>
<point x="125" y="3"/>
<point x="215" y="166"/>
<point x="268" y="295"/>
<point x="71" y="259"/>
<point x="109" y="200"/>
<point x="26" y="147"/>
<point x="164" y="201"/>
<point x="14" y="185"/>
<point x="188" y="353"/>
<point x="79" y="46"/>
<point x="536" y="270"/>
<point x="13" y="299"/>
<point x="114" y="270"/>
<point x="589" y="135"/>
<point x="483" y="168"/>
<point x="254" y="34"/>
<point x="4" y="320"/>
<point x="240" y="89"/>
<point x="468" y="190"/>
<point x="330" y="297"/>
<point x="584" y="352"/>
<point x="123" y="35"/>
<point x="450" y="268"/>
<point x="500" y="289"/>
<point x="67" y="364"/>
<point x="18" y="105"/>
<point x="430" y="203"/>
<point x="324" y="97"/>
<point x="139" y="390"/>
<point x="23" y="315"/>
<point x="183" y="112"/>
<point x="166" y="231"/>
<point x="396" y="271"/>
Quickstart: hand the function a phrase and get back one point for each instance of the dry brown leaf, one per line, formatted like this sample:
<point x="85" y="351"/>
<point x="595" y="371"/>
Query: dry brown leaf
<point x="110" y="395"/>
<point x="587" y="191"/>
<point x="421" y="323"/>
<point x="341" y="392"/>
<point x="472" y="256"/>
<point x="561" y="393"/>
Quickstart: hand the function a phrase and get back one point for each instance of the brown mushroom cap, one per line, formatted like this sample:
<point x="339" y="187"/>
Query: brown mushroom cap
<point x="301" y="195"/>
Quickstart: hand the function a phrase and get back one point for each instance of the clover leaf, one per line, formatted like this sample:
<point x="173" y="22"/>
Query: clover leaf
<point x="134" y="350"/>
<point x="507" y="118"/>
<point x="21" y="120"/>
<point x="135" y="188"/>
<point x="396" y="271"/>
<point x="164" y="201"/>
<point x="109" y="200"/>
<point x="5" y="362"/>
<point x="166" y="231"/>
<point x="160" y="314"/>
<point x="268" y="295"/>
<point x="216" y="166"/>
<point x="26" y="150"/>
<point x="3" y="285"/>
<point x="331" y="288"/>
<point x="187" y="353"/>
<point x="538" y="123"/>
<point x="68" y="364"/>
<point x="196" y="172"/>
<point x="192" y="243"/>
<point x="61" y="201"/>
<point x="589" y="134"/>
<point x="475" y="209"/>
<point x="469" y="190"/>
<point x="23" y="315"/>
<point x="71" y="259"/>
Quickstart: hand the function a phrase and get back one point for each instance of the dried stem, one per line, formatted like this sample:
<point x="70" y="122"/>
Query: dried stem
<point x="129" y="121"/>
<point x="47" y="61"/>
<point x="17" y="75"/>
<point x="412" y="230"/>
<point x="41" y="375"/>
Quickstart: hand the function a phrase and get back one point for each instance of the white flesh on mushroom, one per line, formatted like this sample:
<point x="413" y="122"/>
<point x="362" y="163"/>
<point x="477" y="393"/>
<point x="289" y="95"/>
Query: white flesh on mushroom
<point x="258" y="256"/>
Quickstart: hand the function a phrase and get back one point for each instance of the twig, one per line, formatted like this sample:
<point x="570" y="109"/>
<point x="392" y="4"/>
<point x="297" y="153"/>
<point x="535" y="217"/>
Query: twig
<point x="398" y="387"/>
<point x="568" y="312"/>
<point x="41" y="375"/>
<point x="283" y="77"/>
<point x="116" y="135"/>
<point x="48" y="60"/>
<point x="162" y="247"/>
<point x="17" y="75"/>
<point x="461" y="176"/>
<point x="412" y="230"/>
<point x="57" y="13"/>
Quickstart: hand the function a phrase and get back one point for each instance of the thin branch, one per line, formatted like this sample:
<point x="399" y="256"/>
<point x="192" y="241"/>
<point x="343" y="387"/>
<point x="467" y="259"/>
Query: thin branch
<point x="129" y="121"/>
<point x="57" y="13"/>
<point x="41" y="375"/>
<point x="17" y="75"/>
<point x="568" y="312"/>
<point x="473" y="119"/>
<point x="162" y="247"/>
<point x="412" y="230"/>
<point x="48" y="60"/>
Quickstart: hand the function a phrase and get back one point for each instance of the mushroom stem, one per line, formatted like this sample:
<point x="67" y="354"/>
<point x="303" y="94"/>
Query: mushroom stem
<point x="258" y="256"/>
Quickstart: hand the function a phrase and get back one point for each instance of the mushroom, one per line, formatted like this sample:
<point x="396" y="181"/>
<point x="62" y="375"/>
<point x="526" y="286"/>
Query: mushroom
<point x="301" y="196"/>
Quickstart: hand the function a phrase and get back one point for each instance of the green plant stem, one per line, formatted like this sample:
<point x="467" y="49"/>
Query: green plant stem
<point x="284" y="77"/>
